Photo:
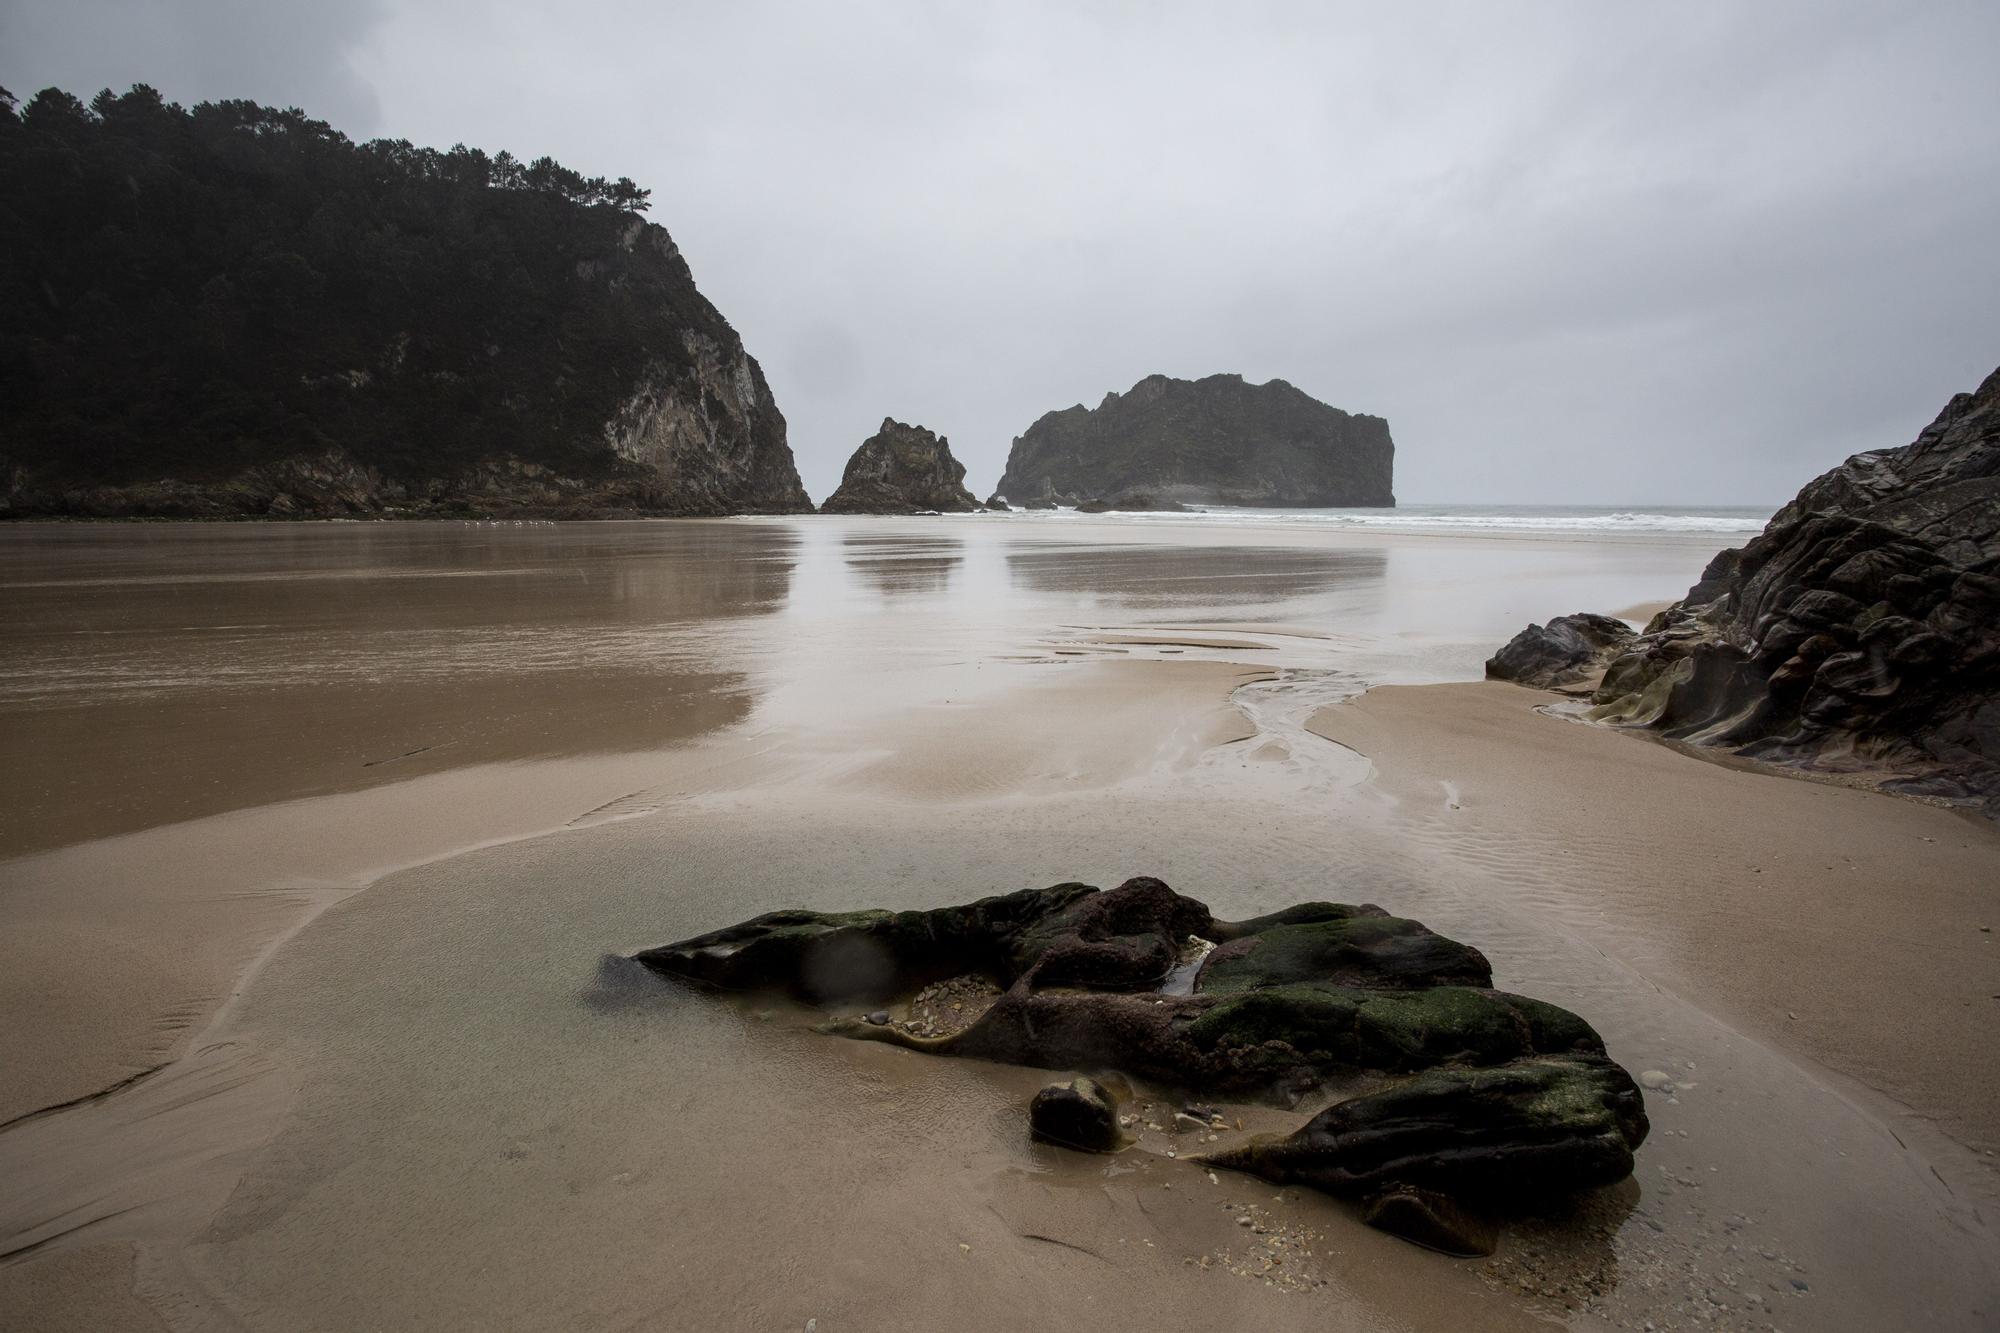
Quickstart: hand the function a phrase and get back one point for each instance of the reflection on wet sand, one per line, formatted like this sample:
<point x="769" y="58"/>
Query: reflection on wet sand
<point x="901" y="567"/>
<point x="1256" y="583"/>
<point x="162" y="673"/>
<point x="421" y="1110"/>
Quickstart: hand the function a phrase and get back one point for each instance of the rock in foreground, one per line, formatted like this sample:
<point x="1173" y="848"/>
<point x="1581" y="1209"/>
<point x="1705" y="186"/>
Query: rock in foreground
<point x="1566" y="650"/>
<point x="1078" y="1114"/>
<point x="1210" y="441"/>
<point x="1554" y="1123"/>
<point x="1512" y="1094"/>
<point x="902" y="470"/>
<point x="1433" y="1220"/>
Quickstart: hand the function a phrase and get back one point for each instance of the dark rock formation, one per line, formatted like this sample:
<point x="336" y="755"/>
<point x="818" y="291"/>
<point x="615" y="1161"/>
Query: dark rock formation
<point x="1134" y="504"/>
<point x="1433" y="1220"/>
<point x="1566" y="650"/>
<point x="902" y="470"/>
<point x="1078" y="1114"/>
<point x="1211" y="441"/>
<point x="1557" y="1123"/>
<point x="236" y="312"/>
<point x="1367" y="948"/>
<point x="1066" y="934"/>
<point x="998" y="505"/>
<point x="1513" y="1094"/>
<point x="1859" y="632"/>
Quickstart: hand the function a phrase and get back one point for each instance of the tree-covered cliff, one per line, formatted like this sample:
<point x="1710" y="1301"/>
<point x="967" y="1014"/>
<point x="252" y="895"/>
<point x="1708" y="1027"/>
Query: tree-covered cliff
<point x="235" y="310"/>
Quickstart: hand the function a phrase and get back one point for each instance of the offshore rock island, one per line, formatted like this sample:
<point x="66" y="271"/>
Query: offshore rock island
<point x="902" y="470"/>
<point x="234" y="311"/>
<point x="1217" y="440"/>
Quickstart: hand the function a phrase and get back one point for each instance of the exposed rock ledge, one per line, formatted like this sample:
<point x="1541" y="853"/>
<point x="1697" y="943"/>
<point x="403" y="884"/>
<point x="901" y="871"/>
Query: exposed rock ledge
<point x="1859" y="633"/>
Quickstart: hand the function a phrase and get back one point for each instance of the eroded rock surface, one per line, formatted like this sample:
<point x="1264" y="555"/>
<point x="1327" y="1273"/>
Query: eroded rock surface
<point x="1548" y="1123"/>
<point x="1511" y="1093"/>
<point x="1566" y="650"/>
<point x="1859" y="632"/>
<point x="902" y="470"/>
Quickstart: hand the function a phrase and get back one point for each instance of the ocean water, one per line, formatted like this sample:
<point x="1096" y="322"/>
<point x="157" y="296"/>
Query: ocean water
<point x="1747" y="520"/>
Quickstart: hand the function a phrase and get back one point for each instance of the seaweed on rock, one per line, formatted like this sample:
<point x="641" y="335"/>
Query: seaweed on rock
<point x="1508" y="1094"/>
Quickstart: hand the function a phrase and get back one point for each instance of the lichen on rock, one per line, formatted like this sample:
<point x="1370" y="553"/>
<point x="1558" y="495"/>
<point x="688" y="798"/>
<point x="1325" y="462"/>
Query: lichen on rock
<point x="1511" y="1092"/>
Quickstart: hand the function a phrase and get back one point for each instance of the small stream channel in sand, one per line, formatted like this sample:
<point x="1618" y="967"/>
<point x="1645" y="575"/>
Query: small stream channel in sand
<point x="428" y="1104"/>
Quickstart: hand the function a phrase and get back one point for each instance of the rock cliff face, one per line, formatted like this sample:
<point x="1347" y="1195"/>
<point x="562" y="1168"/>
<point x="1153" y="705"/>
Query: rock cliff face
<point x="1211" y="441"/>
<point x="236" y="312"/>
<point x="902" y="470"/>
<point x="1859" y="632"/>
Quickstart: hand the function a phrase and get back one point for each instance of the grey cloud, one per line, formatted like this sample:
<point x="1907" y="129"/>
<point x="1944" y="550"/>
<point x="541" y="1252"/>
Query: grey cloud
<point x="1572" y="251"/>
<point x="280" y="52"/>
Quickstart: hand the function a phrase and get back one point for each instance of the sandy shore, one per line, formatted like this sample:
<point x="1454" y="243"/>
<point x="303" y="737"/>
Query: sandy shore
<point x="1844" y="926"/>
<point x="431" y="1104"/>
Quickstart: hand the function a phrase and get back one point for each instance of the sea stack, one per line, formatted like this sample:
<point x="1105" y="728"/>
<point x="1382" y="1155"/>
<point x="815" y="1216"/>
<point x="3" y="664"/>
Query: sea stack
<point x="1217" y="440"/>
<point x="902" y="470"/>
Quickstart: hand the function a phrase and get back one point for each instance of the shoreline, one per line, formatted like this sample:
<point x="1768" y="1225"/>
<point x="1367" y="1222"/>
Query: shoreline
<point x="387" y="1025"/>
<point x="1768" y="999"/>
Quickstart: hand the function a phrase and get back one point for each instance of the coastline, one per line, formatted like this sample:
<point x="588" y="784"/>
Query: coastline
<point x="1213" y="749"/>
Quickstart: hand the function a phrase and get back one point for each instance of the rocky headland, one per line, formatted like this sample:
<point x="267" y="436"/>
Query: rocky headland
<point x="1859" y="633"/>
<point x="234" y="311"/>
<point x="1454" y="1094"/>
<point x="902" y="470"/>
<point x="1218" y="440"/>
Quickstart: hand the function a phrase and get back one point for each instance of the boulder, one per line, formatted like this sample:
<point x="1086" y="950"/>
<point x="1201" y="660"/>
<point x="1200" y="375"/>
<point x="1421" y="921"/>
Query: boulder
<point x="1133" y="504"/>
<point x="1514" y="1098"/>
<point x="902" y="470"/>
<point x="1078" y="1114"/>
<point x="1564" y="651"/>
<point x="1317" y="991"/>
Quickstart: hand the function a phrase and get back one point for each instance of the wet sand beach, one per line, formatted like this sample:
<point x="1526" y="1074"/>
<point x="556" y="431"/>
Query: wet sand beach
<point x="332" y="828"/>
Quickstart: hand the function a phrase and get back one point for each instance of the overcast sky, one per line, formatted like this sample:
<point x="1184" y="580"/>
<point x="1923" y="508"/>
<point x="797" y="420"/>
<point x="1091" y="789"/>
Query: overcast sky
<point x="1573" y="252"/>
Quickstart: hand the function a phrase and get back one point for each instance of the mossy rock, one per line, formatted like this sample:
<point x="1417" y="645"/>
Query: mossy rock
<point x="1356" y="950"/>
<point x="1514" y="1093"/>
<point x="1336" y="1029"/>
<point x="1535" y="1128"/>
